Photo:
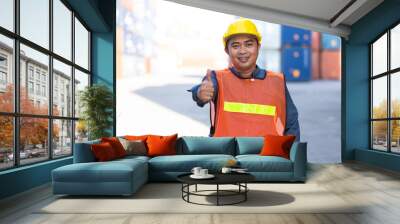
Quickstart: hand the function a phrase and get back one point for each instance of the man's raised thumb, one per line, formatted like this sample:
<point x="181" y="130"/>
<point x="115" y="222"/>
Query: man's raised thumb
<point x="208" y="75"/>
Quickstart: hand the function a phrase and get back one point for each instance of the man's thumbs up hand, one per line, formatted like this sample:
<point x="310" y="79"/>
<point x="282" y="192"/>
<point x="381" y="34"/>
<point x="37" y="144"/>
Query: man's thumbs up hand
<point x="208" y="75"/>
<point x="206" y="90"/>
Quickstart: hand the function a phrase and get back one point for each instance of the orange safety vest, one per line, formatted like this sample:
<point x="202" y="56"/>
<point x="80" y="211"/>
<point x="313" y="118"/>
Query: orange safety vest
<point x="249" y="107"/>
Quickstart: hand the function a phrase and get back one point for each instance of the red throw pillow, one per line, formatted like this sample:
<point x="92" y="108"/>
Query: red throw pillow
<point x="277" y="145"/>
<point x="103" y="151"/>
<point x="161" y="145"/>
<point x="116" y="145"/>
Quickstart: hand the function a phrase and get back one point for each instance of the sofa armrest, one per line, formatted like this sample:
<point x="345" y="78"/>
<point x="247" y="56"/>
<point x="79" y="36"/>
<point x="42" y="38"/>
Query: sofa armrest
<point x="83" y="153"/>
<point x="298" y="155"/>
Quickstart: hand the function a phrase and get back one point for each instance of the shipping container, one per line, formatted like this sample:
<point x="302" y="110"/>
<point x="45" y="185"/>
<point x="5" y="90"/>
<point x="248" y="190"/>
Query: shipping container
<point x="330" y="42"/>
<point x="296" y="63"/>
<point x="315" y="64"/>
<point x="261" y="60"/>
<point x="331" y="65"/>
<point x="259" y="24"/>
<point x="315" y="40"/>
<point x="270" y="59"/>
<point x="295" y="37"/>
<point x="133" y="43"/>
<point x="273" y="60"/>
<point x="271" y="36"/>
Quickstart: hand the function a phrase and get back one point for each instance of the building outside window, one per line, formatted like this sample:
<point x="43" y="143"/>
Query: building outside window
<point x="3" y="78"/>
<point x="30" y="72"/>
<point x="37" y="75"/>
<point x="44" y="77"/>
<point x="43" y="90"/>
<point x="3" y="72"/>
<point x="55" y="99"/>
<point x="38" y="89"/>
<point x="3" y="61"/>
<point x="30" y="87"/>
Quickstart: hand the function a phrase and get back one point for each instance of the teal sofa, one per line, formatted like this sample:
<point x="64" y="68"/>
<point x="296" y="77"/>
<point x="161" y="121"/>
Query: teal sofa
<point x="125" y="176"/>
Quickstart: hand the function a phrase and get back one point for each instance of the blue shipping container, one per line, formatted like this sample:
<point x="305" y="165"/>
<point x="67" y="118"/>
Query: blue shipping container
<point x="295" y="37"/>
<point x="330" y="42"/>
<point x="296" y="63"/>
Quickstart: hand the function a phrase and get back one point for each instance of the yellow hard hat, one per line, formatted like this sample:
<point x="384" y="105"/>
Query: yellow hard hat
<point x="242" y="26"/>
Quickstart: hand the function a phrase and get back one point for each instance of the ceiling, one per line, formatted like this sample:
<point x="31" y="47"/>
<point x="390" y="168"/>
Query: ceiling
<point x="330" y="16"/>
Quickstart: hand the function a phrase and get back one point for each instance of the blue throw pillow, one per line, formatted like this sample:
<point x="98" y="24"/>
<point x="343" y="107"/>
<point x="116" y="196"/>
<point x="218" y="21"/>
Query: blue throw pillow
<point x="249" y="145"/>
<point x="83" y="153"/>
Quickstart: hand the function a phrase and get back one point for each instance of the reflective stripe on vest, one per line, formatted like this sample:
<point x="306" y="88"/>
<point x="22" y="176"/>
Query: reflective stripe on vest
<point x="249" y="108"/>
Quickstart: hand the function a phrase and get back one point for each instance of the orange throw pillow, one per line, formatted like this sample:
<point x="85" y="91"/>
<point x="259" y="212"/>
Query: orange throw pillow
<point x="161" y="145"/>
<point x="103" y="151"/>
<point x="135" y="138"/>
<point x="116" y="145"/>
<point x="277" y="145"/>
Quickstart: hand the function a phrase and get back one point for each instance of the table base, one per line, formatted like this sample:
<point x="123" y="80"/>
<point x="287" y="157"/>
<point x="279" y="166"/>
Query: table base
<point x="241" y="191"/>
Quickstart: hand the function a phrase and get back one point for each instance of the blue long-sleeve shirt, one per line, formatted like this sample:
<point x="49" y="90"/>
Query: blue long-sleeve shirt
<point x="292" y="122"/>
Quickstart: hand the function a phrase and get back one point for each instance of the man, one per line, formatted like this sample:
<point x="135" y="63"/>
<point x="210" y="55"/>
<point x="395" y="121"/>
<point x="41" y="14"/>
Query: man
<point x="246" y="100"/>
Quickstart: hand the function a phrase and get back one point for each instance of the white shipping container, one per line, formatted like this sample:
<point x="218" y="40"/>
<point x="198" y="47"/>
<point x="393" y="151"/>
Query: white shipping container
<point x="272" y="59"/>
<point x="271" y="36"/>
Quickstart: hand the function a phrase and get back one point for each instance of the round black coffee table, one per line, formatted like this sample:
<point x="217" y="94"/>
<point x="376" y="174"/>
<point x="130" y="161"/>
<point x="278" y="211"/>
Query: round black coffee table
<point x="238" y="179"/>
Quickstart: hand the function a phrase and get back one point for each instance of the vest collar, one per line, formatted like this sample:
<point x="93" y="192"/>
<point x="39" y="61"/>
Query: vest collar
<point x="258" y="73"/>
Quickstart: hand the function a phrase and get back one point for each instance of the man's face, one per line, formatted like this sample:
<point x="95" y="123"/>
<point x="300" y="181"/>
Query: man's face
<point x="243" y="52"/>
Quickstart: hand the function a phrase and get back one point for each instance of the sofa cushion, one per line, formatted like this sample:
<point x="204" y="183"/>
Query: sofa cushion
<point x="131" y="158"/>
<point x="249" y="145"/>
<point x="193" y="145"/>
<point x="257" y="163"/>
<point x="111" y="171"/>
<point x="93" y="172"/>
<point x="185" y="163"/>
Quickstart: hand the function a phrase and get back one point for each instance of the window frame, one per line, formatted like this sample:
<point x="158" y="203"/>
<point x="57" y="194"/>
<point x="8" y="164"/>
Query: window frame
<point x="388" y="74"/>
<point x="16" y="114"/>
